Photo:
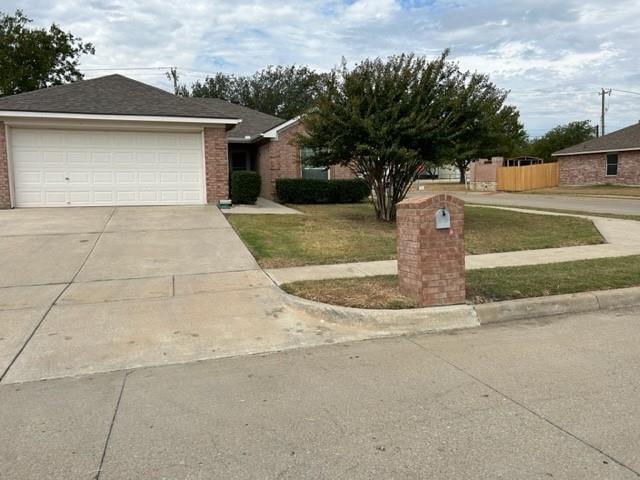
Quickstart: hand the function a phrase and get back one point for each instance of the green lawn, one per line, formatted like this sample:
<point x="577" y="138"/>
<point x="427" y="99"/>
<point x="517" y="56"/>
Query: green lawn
<point x="350" y="233"/>
<point x="486" y="285"/>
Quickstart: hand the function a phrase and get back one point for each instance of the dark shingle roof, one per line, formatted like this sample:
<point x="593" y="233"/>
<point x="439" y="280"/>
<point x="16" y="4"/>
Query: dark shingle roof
<point x="625" y="139"/>
<point x="111" y="95"/>
<point x="253" y="122"/>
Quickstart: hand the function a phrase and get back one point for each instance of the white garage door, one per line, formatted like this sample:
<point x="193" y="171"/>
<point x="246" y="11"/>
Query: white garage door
<point x="53" y="168"/>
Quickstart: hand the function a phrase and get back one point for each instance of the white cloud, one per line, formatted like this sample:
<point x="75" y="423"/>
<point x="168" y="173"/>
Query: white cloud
<point x="553" y="56"/>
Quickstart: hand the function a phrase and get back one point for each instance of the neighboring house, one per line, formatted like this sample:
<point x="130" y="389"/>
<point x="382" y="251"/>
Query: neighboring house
<point x="116" y="141"/>
<point x="612" y="158"/>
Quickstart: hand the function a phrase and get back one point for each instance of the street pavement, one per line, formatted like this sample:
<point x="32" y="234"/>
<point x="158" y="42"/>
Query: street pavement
<point x="552" y="398"/>
<point x="603" y="205"/>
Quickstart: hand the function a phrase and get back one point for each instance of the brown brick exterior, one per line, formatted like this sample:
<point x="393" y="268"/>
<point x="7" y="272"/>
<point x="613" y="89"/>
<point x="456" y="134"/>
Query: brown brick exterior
<point x="281" y="159"/>
<point x="430" y="261"/>
<point x="590" y="169"/>
<point x="338" y="172"/>
<point x="5" y="190"/>
<point x="216" y="163"/>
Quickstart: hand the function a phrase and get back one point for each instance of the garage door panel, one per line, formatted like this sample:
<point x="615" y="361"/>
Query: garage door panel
<point x="102" y="178"/>
<point x="55" y="197"/>
<point x="59" y="167"/>
<point x="82" y="178"/>
<point x="148" y="178"/>
<point x="55" y="177"/>
<point x="190" y="177"/>
<point x="124" y="178"/>
<point x="192" y="196"/>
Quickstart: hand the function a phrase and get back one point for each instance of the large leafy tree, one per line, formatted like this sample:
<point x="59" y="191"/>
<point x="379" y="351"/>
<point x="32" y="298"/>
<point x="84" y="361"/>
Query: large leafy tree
<point x="485" y="125"/>
<point x="560" y="137"/>
<point x="32" y="58"/>
<point x="283" y="91"/>
<point x="384" y="119"/>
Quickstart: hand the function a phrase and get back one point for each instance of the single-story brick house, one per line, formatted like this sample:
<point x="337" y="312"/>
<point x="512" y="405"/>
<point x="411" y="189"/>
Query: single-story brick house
<point x="116" y="141"/>
<point x="612" y="158"/>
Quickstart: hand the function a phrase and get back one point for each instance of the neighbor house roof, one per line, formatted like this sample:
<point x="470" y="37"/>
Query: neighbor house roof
<point x="254" y="123"/>
<point x="625" y="139"/>
<point x="113" y="95"/>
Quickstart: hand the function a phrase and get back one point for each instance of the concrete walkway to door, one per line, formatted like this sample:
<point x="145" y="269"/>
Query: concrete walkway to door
<point x="85" y="290"/>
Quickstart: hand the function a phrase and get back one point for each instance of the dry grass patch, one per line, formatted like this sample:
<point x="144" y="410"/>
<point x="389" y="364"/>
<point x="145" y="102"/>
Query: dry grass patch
<point x="485" y="285"/>
<point x="381" y="292"/>
<point x="350" y="233"/>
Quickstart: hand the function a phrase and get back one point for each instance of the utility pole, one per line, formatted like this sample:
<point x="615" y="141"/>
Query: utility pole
<point x="172" y="74"/>
<point x="603" y="92"/>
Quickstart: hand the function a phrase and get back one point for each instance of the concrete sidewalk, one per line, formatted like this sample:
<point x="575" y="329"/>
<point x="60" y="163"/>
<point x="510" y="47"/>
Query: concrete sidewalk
<point x="622" y="237"/>
<point x="526" y="400"/>
<point x="578" y="203"/>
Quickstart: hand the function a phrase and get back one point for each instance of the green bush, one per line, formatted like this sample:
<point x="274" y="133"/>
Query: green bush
<point x="245" y="187"/>
<point x="307" y="190"/>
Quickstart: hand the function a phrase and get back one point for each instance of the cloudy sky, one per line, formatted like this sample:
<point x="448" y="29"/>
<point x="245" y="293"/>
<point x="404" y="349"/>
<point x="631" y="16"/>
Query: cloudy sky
<point x="554" y="56"/>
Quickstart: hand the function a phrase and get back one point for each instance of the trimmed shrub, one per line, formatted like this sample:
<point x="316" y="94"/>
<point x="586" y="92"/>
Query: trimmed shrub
<point x="307" y="190"/>
<point x="245" y="187"/>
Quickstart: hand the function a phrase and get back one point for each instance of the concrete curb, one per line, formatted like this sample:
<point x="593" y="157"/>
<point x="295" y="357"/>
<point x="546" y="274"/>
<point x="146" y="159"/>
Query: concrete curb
<point x="467" y="316"/>
<point x="557" y="305"/>
<point x="407" y="320"/>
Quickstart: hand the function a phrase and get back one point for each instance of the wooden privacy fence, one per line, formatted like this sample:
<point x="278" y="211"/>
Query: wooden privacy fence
<point x="519" y="179"/>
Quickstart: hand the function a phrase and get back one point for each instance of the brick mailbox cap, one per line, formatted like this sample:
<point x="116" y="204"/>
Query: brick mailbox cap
<point x="426" y="200"/>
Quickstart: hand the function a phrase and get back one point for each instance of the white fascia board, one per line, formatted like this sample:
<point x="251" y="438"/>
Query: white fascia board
<point x="611" y="150"/>
<point x="119" y="118"/>
<point x="273" y="133"/>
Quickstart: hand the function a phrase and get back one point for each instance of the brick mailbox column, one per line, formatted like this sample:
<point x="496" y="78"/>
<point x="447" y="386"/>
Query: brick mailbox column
<point x="430" y="250"/>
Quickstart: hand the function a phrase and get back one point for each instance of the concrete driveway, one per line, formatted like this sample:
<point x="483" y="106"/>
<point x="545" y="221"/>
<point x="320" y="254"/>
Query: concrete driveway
<point x="85" y="290"/>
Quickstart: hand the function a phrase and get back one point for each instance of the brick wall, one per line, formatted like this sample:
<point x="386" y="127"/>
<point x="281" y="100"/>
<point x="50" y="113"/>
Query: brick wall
<point x="5" y="192"/>
<point x="216" y="161"/>
<point x="338" y="172"/>
<point x="431" y="261"/>
<point x="590" y="169"/>
<point x="279" y="159"/>
<point x="483" y="172"/>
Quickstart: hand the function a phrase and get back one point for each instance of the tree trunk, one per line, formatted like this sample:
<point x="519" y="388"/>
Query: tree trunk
<point x="383" y="202"/>
<point x="463" y="175"/>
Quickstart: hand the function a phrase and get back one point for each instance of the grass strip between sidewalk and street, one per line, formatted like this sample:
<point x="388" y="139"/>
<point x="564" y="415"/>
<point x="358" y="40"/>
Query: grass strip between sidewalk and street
<point x="328" y="234"/>
<point x="485" y="285"/>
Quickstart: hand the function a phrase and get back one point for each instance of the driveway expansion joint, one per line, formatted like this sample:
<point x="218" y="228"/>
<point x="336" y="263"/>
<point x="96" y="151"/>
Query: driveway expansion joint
<point x="113" y="421"/>
<point x="33" y="332"/>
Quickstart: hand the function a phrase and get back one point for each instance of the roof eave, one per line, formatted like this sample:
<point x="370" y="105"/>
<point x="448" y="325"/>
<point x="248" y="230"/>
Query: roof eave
<point x="587" y="152"/>
<point x="273" y="132"/>
<point x="116" y="117"/>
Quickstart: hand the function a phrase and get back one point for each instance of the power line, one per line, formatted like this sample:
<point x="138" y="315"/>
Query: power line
<point x="624" y="91"/>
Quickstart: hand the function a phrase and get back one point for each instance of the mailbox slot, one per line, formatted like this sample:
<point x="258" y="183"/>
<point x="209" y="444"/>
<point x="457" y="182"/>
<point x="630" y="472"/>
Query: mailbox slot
<point x="443" y="219"/>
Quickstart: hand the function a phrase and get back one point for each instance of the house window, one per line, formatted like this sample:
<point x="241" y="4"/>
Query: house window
<point x="308" y="170"/>
<point x="612" y="164"/>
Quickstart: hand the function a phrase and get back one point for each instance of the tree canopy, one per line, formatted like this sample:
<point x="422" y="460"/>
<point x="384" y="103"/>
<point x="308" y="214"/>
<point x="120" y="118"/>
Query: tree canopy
<point x="32" y="58"/>
<point x="560" y="137"/>
<point x="485" y="126"/>
<point x="387" y="118"/>
<point x="283" y="91"/>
